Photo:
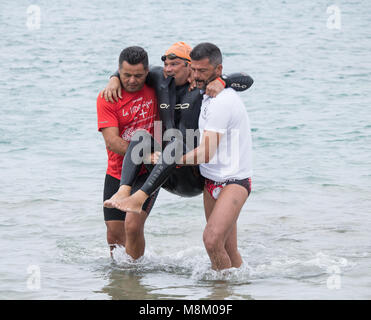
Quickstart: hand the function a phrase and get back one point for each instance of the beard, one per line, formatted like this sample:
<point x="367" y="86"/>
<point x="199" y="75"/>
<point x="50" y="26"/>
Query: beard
<point x="202" y="84"/>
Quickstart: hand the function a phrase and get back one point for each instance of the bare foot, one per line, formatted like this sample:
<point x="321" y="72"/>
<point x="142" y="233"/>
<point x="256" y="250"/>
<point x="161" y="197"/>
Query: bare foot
<point x="133" y="203"/>
<point x="122" y="193"/>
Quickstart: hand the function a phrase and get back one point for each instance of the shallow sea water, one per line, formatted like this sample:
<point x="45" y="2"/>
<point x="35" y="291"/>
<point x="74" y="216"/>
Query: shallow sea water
<point x="305" y="231"/>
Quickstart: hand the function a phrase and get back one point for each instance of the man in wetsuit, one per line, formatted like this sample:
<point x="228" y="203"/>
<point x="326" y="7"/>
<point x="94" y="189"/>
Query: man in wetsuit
<point x="179" y="108"/>
<point x="136" y="109"/>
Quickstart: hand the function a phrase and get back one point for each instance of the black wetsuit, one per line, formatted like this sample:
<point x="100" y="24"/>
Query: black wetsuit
<point x="179" y="108"/>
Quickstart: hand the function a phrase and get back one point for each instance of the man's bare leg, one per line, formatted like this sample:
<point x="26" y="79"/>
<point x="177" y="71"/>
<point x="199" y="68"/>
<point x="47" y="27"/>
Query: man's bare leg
<point x="115" y="234"/>
<point x="209" y="203"/>
<point x="231" y="242"/>
<point x="122" y="192"/>
<point x="134" y="229"/>
<point x="232" y="249"/>
<point x="220" y="225"/>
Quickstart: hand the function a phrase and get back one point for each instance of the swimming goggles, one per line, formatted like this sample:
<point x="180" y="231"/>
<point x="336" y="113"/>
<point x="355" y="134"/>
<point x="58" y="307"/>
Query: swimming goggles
<point x="173" y="56"/>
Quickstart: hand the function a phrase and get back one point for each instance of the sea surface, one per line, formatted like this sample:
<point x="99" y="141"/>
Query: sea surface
<point x="305" y="231"/>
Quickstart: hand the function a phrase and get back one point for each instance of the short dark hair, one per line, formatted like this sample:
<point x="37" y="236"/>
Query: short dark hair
<point x="207" y="50"/>
<point x="134" y="55"/>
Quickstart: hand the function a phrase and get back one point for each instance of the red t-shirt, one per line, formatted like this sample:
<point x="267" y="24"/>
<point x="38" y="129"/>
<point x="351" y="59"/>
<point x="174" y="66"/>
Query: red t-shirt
<point x="136" y="110"/>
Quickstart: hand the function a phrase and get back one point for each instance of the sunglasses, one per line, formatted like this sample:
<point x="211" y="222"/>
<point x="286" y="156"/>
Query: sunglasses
<point x="173" y="56"/>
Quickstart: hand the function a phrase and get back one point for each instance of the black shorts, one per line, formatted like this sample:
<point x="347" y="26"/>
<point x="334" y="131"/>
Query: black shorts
<point x="111" y="186"/>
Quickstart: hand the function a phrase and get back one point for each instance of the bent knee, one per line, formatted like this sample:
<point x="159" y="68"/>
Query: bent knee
<point x="213" y="240"/>
<point x="133" y="228"/>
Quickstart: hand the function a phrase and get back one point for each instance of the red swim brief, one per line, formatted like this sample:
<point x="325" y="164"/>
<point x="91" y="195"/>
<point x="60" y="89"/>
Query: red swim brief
<point x="214" y="187"/>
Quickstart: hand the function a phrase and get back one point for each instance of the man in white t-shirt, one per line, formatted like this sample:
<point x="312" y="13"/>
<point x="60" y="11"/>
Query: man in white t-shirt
<point x="225" y="158"/>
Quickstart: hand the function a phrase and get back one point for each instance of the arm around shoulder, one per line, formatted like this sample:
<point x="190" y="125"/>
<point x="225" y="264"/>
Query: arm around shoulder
<point x="112" y="92"/>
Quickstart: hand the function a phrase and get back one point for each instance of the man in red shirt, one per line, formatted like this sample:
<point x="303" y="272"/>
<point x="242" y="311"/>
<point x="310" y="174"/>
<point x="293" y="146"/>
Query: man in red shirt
<point x="118" y="121"/>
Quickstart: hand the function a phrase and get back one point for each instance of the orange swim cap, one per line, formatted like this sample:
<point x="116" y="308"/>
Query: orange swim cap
<point x="180" y="49"/>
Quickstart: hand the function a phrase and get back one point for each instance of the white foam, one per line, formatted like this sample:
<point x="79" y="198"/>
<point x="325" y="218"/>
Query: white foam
<point x="192" y="262"/>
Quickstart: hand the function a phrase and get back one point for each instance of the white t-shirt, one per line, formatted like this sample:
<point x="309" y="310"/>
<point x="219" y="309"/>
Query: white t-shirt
<point x="226" y="114"/>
